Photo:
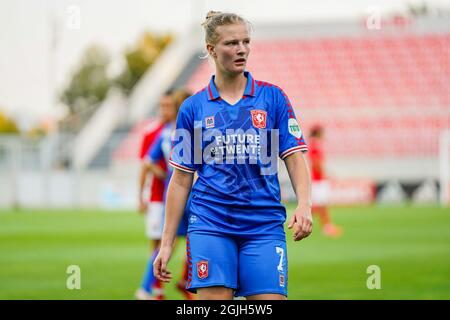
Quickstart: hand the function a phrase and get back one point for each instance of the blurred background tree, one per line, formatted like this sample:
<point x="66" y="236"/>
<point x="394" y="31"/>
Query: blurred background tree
<point x="7" y="125"/>
<point x="89" y="84"/>
<point x="140" y="58"/>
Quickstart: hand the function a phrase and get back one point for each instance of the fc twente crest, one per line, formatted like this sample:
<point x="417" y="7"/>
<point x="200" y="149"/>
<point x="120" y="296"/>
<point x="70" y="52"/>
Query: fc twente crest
<point x="259" y="118"/>
<point x="202" y="269"/>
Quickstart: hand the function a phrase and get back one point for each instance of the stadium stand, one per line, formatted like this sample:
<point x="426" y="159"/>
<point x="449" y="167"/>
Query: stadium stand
<point x="381" y="95"/>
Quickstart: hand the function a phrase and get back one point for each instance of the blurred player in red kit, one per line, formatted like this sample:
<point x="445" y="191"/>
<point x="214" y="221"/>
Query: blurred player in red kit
<point x="320" y="186"/>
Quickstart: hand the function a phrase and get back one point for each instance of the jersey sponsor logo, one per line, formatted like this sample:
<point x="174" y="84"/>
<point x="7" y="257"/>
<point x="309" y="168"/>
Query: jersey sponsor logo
<point x="202" y="269"/>
<point x="259" y="118"/>
<point x="209" y="122"/>
<point x="294" y="128"/>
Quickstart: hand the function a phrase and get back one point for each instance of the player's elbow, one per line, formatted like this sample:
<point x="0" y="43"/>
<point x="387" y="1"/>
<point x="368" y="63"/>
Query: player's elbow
<point x="145" y="166"/>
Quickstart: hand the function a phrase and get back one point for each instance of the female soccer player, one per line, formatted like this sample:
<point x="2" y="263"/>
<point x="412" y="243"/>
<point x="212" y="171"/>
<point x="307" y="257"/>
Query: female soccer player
<point x="231" y="134"/>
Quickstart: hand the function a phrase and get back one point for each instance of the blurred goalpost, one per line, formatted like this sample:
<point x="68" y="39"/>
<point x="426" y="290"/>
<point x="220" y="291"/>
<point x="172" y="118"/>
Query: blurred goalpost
<point x="444" y="167"/>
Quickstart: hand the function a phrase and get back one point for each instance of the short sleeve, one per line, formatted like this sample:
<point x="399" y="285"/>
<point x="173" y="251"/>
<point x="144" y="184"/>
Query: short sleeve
<point x="182" y="156"/>
<point x="290" y="134"/>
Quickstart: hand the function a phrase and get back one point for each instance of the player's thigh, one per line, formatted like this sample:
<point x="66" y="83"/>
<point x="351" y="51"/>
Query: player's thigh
<point x="262" y="268"/>
<point x="212" y="261"/>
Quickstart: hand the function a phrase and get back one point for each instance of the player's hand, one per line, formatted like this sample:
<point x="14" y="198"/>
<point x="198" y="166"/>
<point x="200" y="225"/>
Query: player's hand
<point x="160" y="264"/>
<point x="142" y="206"/>
<point x="302" y="222"/>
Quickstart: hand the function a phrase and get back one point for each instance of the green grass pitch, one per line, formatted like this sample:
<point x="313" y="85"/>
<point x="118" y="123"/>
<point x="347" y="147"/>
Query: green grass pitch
<point x="411" y="245"/>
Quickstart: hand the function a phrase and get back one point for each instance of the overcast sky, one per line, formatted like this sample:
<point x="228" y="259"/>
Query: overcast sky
<point x="27" y="60"/>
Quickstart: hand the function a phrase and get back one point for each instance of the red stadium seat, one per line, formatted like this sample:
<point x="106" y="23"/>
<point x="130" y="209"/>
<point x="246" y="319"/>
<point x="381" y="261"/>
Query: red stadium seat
<point x="381" y="95"/>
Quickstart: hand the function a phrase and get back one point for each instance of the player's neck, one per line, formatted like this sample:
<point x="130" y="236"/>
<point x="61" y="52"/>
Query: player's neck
<point x="230" y="85"/>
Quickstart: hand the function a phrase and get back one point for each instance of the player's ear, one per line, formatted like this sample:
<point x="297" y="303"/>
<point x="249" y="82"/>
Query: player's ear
<point x="211" y="51"/>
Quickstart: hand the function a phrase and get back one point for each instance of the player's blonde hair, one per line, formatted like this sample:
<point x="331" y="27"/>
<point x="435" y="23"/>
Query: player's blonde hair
<point x="216" y="19"/>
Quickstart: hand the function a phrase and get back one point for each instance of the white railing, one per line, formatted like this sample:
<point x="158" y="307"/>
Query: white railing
<point x="38" y="174"/>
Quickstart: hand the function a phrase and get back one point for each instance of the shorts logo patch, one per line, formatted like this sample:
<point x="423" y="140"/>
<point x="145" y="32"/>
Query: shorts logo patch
<point x="259" y="118"/>
<point x="193" y="219"/>
<point x="202" y="269"/>
<point x="294" y="128"/>
<point x="281" y="280"/>
<point x="209" y="122"/>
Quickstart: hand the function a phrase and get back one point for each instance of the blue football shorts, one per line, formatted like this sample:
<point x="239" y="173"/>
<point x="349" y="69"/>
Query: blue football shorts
<point x="248" y="266"/>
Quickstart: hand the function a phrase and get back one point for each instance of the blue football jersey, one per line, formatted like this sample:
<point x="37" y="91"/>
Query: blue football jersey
<point x="235" y="149"/>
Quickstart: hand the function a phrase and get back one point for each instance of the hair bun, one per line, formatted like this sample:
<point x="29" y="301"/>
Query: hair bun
<point x="211" y="14"/>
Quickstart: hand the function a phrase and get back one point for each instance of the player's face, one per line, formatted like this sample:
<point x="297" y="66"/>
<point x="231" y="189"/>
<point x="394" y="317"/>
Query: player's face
<point x="232" y="49"/>
<point x="167" y="109"/>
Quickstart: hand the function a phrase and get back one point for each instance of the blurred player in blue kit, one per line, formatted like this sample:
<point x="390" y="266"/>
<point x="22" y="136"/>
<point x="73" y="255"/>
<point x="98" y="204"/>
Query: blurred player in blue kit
<point x="153" y="206"/>
<point x="156" y="162"/>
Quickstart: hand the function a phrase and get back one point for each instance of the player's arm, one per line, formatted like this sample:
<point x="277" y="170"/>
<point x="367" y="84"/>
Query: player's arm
<point x="142" y="179"/>
<point x="301" y="219"/>
<point x="157" y="170"/>
<point x="148" y="166"/>
<point x="177" y="194"/>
